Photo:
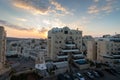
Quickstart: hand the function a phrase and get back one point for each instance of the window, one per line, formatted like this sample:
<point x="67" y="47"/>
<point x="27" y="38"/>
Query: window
<point x="56" y="42"/>
<point x="70" y="37"/>
<point x="49" y="37"/>
<point x="65" y="32"/>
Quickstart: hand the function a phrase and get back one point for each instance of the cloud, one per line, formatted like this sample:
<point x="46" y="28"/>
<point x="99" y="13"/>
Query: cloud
<point x="7" y="24"/>
<point x="101" y="8"/>
<point x="35" y="6"/>
<point x="59" y="7"/>
<point x="47" y="22"/>
<point x="96" y="0"/>
<point x="21" y="19"/>
<point x="53" y="23"/>
<point x="93" y="9"/>
<point x="43" y="30"/>
<point x="42" y="7"/>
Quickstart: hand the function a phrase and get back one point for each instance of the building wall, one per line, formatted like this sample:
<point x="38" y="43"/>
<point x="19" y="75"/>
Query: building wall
<point x="91" y="50"/>
<point x="101" y="49"/>
<point x="57" y="38"/>
<point x="107" y="49"/>
<point x="2" y="46"/>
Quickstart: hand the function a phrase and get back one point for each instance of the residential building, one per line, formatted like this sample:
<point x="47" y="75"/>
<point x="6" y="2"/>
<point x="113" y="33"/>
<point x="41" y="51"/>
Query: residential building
<point x="85" y="40"/>
<point x="108" y="49"/>
<point x="2" y="47"/>
<point x="91" y="50"/>
<point x="27" y="47"/>
<point x="61" y="43"/>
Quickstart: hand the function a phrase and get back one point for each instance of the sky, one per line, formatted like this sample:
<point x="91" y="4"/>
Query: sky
<point x="33" y="18"/>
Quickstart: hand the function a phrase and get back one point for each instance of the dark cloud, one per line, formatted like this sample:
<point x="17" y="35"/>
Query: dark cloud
<point x="43" y="30"/>
<point x="7" y="24"/>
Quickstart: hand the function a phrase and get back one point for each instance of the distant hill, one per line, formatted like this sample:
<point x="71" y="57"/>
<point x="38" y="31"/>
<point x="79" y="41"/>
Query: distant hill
<point x="9" y="39"/>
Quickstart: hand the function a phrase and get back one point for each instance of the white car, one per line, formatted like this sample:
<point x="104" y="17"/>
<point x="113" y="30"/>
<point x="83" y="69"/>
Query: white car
<point x="80" y="76"/>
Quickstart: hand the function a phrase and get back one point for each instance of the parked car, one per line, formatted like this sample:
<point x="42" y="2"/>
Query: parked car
<point x="95" y="73"/>
<point x="68" y="77"/>
<point x="80" y="76"/>
<point x="100" y="73"/>
<point x="89" y="75"/>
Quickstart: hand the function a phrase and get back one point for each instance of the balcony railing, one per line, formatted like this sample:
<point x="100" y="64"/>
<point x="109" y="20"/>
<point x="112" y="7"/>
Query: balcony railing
<point x="65" y="53"/>
<point x="70" y="50"/>
<point x="63" y="56"/>
<point x="70" y="44"/>
<point x="66" y="56"/>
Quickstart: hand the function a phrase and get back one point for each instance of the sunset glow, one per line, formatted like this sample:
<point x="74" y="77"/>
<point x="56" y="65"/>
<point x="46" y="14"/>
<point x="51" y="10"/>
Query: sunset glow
<point x="33" y="18"/>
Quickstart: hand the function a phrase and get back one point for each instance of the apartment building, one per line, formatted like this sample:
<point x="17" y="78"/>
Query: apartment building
<point x="108" y="49"/>
<point x="85" y="40"/>
<point x="62" y="42"/>
<point x="2" y="47"/>
<point x="91" y="50"/>
<point x="27" y="47"/>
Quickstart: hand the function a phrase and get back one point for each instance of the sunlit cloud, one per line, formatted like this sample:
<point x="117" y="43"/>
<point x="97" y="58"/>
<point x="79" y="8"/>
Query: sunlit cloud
<point x="24" y="31"/>
<point x="47" y="22"/>
<point x="24" y="34"/>
<point x="93" y="9"/>
<point x="96" y="9"/>
<point x="43" y="7"/>
<point x="14" y="26"/>
<point x="21" y="19"/>
<point x="59" y="7"/>
<point x="35" y="6"/>
<point x="53" y="23"/>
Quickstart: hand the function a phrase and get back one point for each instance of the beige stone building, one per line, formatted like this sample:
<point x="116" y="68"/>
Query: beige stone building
<point x="108" y="50"/>
<point x="61" y="42"/>
<point x="91" y="50"/>
<point x="2" y="47"/>
<point x="85" y="45"/>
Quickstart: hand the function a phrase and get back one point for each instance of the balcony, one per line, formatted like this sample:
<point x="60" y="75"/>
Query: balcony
<point x="69" y="42"/>
<point x="76" y="55"/>
<point x="77" y="58"/>
<point x="70" y="45"/>
<point x="80" y="60"/>
<point x="65" y="56"/>
<point x="70" y="50"/>
<point x="118" y="55"/>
